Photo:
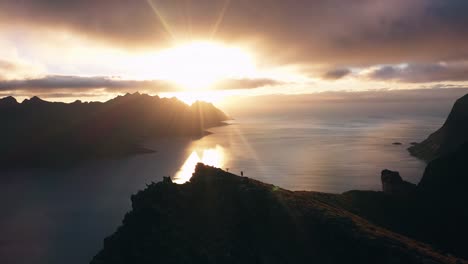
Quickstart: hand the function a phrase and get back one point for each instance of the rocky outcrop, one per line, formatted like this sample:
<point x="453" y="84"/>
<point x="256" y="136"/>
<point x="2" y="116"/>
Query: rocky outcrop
<point x="219" y="217"/>
<point x="449" y="137"/>
<point x="392" y="183"/>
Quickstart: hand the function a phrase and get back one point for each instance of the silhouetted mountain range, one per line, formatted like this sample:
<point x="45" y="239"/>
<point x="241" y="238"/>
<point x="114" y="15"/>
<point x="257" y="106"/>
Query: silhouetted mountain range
<point x="40" y="133"/>
<point x="449" y="137"/>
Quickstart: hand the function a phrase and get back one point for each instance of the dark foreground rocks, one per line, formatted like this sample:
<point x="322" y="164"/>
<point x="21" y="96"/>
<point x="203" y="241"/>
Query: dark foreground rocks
<point x="219" y="217"/>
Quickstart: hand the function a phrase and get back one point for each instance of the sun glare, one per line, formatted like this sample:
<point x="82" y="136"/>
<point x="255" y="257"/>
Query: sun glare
<point x="210" y="156"/>
<point x="199" y="65"/>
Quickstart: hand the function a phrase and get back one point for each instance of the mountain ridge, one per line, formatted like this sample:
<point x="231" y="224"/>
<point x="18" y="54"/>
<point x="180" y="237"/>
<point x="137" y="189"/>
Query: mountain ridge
<point x="41" y="133"/>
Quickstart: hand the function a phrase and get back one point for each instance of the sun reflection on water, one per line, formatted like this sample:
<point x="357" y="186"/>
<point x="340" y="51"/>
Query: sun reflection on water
<point x="209" y="156"/>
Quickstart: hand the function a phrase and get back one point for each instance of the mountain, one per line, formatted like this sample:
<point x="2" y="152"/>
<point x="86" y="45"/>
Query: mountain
<point x="449" y="137"/>
<point x="8" y="101"/>
<point x="40" y="133"/>
<point x="219" y="217"/>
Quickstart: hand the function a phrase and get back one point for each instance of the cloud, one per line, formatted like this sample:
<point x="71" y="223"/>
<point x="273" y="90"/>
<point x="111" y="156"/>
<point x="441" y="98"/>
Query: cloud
<point x="421" y="73"/>
<point x="333" y="32"/>
<point x="336" y="74"/>
<point x="61" y="84"/>
<point x="56" y="82"/>
<point x="232" y="84"/>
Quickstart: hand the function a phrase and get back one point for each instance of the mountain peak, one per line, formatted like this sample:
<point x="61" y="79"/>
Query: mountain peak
<point x="34" y="100"/>
<point x="8" y="101"/>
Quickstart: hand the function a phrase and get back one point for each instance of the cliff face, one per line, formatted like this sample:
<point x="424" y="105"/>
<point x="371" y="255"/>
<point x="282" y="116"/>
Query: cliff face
<point x="449" y="137"/>
<point x="41" y="133"/>
<point x="219" y="217"/>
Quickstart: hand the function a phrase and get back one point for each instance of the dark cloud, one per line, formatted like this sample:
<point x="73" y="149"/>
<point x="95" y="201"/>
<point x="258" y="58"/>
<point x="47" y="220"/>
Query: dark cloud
<point x="76" y="84"/>
<point x="55" y="82"/>
<point x="334" y="32"/>
<point x="421" y="73"/>
<point x="336" y="74"/>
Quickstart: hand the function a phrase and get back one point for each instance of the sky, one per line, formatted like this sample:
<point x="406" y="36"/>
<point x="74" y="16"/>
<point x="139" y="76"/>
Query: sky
<point x="206" y="49"/>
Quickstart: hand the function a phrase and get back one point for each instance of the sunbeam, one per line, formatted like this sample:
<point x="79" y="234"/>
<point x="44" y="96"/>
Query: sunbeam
<point x="220" y="18"/>
<point x="162" y="20"/>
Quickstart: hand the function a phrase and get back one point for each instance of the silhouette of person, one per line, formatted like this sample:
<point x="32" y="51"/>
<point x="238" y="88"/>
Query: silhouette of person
<point x="242" y="173"/>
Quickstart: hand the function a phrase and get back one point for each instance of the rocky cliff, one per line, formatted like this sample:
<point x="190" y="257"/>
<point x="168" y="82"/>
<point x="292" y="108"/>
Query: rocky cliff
<point x="449" y="137"/>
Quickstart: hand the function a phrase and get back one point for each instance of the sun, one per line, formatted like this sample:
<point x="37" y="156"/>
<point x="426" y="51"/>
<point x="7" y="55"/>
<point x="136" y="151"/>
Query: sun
<point x="200" y="65"/>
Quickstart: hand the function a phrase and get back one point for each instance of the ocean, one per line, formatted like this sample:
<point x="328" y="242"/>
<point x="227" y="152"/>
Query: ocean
<point x="314" y="155"/>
